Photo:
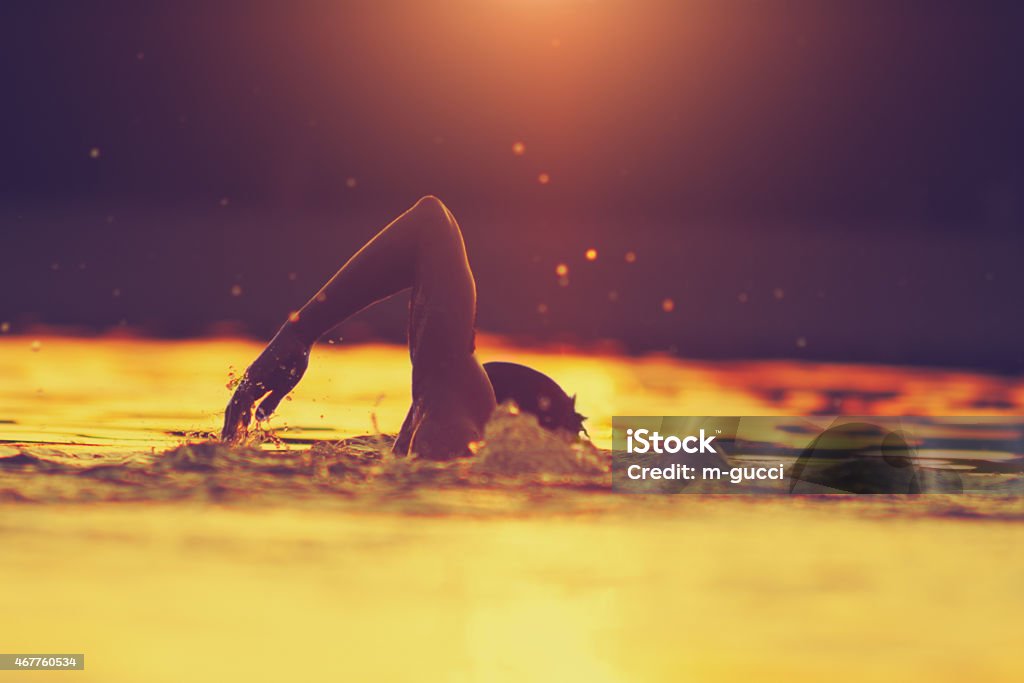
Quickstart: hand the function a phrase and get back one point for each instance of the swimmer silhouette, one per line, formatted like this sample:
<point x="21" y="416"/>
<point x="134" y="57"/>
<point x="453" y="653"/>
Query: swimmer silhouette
<point x="452" y="394"/>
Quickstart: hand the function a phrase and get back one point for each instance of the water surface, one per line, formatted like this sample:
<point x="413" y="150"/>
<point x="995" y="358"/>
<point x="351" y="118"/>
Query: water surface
<point x="164" y="558"/>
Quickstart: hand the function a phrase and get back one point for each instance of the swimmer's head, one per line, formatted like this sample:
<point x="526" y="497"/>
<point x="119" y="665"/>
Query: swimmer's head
<point x="537" y="394"/>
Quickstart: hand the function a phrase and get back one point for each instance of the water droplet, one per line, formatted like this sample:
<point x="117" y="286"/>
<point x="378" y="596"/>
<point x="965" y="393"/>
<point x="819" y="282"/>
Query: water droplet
<point x="591" y="254"/>
<point x="518" y="148"/>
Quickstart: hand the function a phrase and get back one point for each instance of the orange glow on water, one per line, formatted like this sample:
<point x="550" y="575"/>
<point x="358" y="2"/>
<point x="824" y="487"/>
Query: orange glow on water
<point x="668" y="305"/>
<point x="543" y="178"/>
<point x="518" y="148"/>
<point x="141" y="390"/>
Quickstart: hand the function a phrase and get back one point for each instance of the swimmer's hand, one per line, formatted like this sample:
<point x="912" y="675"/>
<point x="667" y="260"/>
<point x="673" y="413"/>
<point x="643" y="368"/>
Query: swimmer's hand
<point x="267" y="381"/>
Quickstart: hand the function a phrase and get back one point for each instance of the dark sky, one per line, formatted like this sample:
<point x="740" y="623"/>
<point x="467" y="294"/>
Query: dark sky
<point x="804" y="179"/>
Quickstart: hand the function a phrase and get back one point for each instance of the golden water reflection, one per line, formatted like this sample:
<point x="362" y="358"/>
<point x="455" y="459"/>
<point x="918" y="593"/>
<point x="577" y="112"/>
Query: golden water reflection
<point x="141" y="394"/>
<point x="489" y="583"/>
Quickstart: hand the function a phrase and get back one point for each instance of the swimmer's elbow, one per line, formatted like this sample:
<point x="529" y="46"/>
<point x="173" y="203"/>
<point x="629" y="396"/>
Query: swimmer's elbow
<point x="429" y="205"/>
<point x="434" y="220"/>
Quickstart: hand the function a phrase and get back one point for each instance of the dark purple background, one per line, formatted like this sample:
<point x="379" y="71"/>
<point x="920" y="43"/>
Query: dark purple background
<point x="863" y="159"/>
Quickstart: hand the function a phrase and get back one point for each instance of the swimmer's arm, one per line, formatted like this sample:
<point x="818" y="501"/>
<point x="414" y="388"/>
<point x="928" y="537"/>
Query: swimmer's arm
<point x="385" y="266"/>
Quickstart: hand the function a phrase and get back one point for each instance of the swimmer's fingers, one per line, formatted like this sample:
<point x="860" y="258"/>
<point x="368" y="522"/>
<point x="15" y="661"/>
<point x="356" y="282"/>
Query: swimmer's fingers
<point x="289" y="371"/>
<point x="281" y="388"/>
<point x="234" y="416"/>
<point x="269" y="379"/>
<point x="239" y="412"/>
<point x="269" y="404"/>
